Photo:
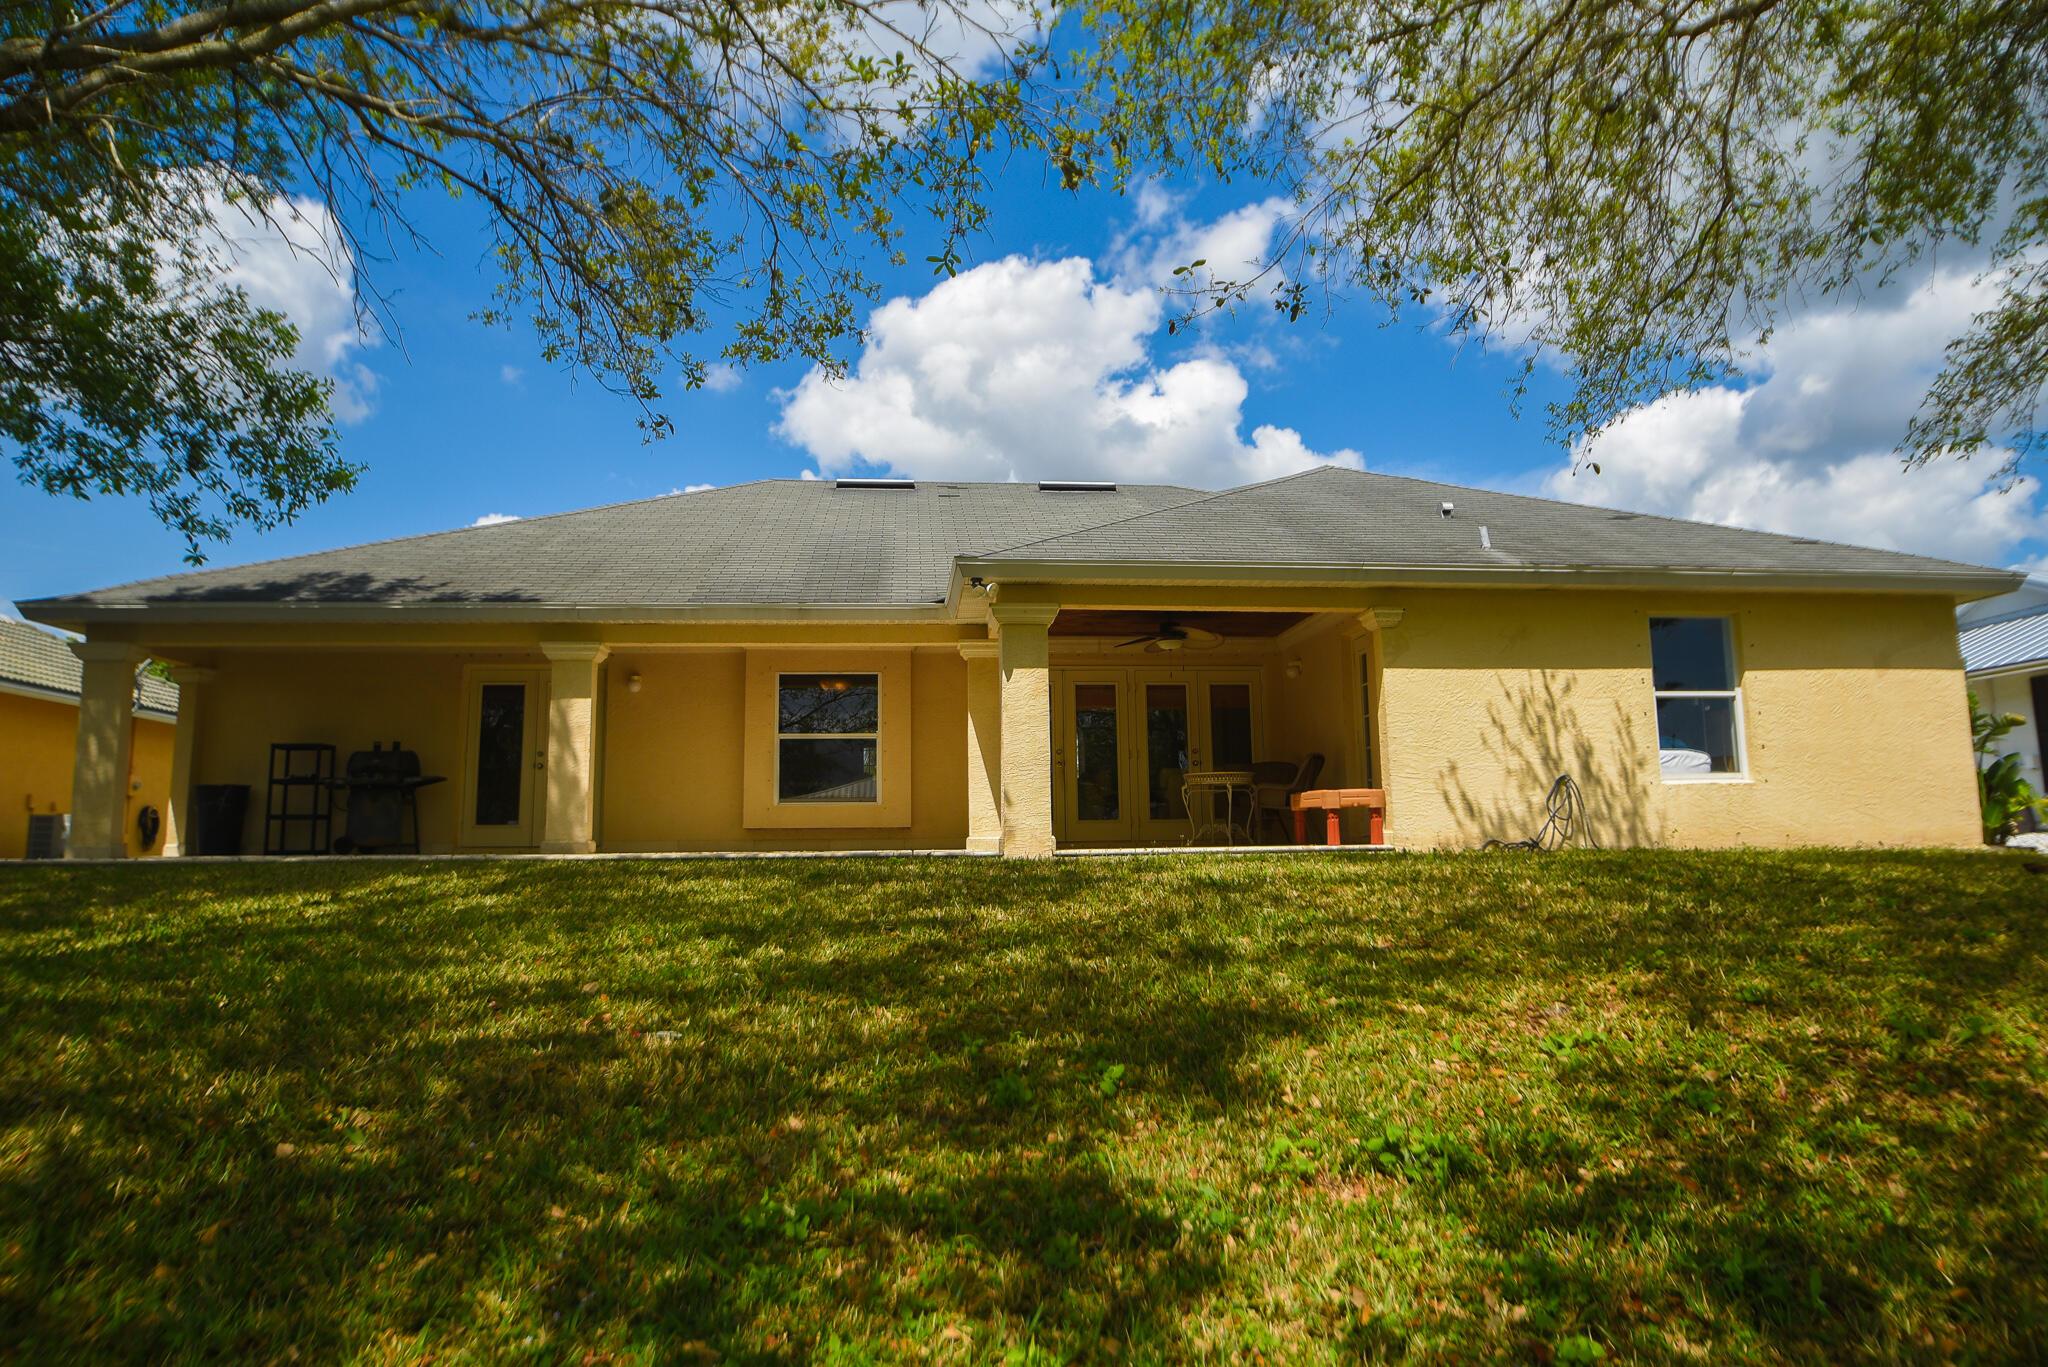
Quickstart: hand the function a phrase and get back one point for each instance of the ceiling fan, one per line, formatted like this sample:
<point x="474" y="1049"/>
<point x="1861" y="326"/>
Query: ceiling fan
<point x="1173" y="636"/>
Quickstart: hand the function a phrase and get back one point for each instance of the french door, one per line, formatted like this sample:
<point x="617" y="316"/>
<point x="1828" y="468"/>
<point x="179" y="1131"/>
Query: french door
<point x="505" y="757"/>
<point x="1090" y="756"/>
<point x="1123" y="739"/>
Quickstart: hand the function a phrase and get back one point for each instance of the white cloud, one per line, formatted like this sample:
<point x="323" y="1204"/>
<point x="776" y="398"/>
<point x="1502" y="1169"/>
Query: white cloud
<point x="1152" y="203"/>
<point x="1023" y="369"/>
<point x="721" y="377"/>
<point x="295" y="259"/>
<point x="495" y="519"/>
<point x="692" y="489"/>
<point x="511" y="374"/>
<point x="1232" y="249"/>
<point x="1807" y="446"/>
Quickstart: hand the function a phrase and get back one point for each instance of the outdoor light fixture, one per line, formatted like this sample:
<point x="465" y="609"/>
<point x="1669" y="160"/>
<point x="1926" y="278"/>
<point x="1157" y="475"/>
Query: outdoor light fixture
<point x="633" y="682"/>
<point x="1294" y="669"/>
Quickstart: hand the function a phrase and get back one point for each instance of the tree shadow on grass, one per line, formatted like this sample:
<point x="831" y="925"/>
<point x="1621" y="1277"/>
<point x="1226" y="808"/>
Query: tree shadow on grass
<point x="477" y="1101"/>
<point x="638" y="1108"/>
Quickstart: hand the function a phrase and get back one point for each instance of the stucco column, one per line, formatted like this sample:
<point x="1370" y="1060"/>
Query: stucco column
<point x="106" y="733"/>
<point x="191" y="681"/>
<point x="1027" y="728"/>
<point x="570" y="823"/>
<point x="984" y="746"/>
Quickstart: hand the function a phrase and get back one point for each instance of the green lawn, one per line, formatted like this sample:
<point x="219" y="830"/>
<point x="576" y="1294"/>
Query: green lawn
<point x="1656" y="1107"/>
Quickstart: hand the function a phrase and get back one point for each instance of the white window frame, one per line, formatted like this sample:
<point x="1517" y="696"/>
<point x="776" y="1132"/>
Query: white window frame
<point x="781" y="735"/>
<point x="1739" y="774"/>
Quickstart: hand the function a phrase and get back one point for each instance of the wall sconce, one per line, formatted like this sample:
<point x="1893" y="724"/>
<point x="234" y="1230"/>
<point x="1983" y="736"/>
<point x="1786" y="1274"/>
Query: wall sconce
<point x="633" y="682"/>
<point x="1293" y="669"/>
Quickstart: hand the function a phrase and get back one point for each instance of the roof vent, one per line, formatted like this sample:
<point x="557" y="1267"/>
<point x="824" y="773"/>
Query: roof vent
<point x="874" y="484"/>
<point x="1075" y="486"/>
<point x="1445" y="508"/>
<point x="1485" y="540"/>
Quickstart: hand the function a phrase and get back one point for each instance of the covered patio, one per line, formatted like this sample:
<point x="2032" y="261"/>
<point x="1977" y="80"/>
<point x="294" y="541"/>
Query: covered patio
<point x="1163" y="720"/>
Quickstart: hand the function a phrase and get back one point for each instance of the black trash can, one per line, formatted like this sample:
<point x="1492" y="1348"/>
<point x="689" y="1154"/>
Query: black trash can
<point x="217" y="813"/>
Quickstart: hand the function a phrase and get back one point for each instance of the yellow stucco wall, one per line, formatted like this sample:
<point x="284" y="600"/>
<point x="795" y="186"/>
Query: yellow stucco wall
<point x="37" y="739"/>
<point x="343" y="698"/>
<point x="677" y="753"/>
<point x="671" y="761"/>
<point x="1854" y="710"/>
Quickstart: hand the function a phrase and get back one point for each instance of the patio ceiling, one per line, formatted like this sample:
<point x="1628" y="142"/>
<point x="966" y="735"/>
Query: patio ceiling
<point x="1124" y="625"/>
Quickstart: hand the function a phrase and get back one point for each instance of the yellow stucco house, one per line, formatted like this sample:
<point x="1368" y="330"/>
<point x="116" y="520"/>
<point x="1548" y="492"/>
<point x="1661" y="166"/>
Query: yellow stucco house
<point x="40" y="682"/>
<point x="874" y="664"/>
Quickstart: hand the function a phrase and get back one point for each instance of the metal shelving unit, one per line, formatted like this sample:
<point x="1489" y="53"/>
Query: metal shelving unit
<point x="298" y="815"/>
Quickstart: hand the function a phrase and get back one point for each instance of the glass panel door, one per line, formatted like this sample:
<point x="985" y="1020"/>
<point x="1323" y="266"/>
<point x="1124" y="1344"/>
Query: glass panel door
<point x="1097" y="795"/>
<point x="500" y="754"/>
<point x="1091" y="764"/>
<point x="1166" y="749"/>
<point x="1168" y="753"/>
<point x="505" y="757"/>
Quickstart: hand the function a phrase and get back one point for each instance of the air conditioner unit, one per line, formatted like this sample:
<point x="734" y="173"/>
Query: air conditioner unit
<point x="48" y="835"/>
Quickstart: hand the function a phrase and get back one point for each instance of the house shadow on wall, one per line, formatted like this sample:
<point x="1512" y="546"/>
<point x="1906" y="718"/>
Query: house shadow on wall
<point x="1534" y="732"/>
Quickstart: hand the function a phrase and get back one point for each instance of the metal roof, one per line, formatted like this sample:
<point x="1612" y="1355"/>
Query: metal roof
<point x="35" y="659"/>
<point x="809" y="544"/>
<point x="2006" y="642"/>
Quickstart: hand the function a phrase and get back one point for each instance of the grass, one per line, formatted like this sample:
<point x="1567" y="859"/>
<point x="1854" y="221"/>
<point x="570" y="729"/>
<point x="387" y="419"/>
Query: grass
<point x="1652" y="1107"/>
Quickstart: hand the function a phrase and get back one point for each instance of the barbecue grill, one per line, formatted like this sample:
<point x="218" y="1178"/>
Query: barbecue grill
<point x="379" y="788"/>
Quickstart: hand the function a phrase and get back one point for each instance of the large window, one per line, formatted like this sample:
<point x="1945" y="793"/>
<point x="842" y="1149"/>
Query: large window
<point x="827" y="733"/>
<point x="1699" y="706"/>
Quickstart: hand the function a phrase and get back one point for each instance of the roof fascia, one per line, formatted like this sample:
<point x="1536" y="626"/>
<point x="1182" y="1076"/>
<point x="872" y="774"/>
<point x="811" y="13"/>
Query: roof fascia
<point x="38" y="692"/>
<point x="2021" y="667"/>
<point x="1960" y="587"/>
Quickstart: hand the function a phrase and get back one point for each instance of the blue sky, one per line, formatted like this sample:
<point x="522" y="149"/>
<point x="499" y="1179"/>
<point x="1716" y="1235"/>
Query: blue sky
<point x="1050" y="357"/>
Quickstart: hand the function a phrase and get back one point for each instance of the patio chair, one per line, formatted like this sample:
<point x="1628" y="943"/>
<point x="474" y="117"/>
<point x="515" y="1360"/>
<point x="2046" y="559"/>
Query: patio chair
<point x="1275" y="781"/>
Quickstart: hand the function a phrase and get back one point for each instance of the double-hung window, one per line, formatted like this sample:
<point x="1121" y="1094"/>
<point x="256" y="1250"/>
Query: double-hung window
<point x="1699" y="705"/>
<point x="827" y="737"/>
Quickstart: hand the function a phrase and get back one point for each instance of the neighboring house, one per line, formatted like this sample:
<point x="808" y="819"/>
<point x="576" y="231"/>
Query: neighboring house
<point x="2005" y="653"/>
<point x="39" y="693"/>
<point x="880" y="664"/>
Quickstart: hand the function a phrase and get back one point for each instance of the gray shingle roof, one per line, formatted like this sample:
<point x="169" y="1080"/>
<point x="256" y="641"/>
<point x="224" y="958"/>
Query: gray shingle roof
<point x="1330" y="516"/>
<point x="33" y="658"/>
<point x="808" y="543"/>
<point x="2006" y="642"/>
<point x="771" y="542"/>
